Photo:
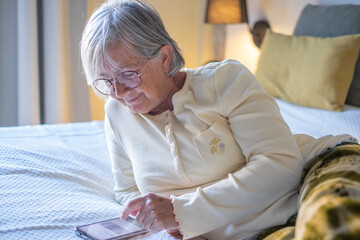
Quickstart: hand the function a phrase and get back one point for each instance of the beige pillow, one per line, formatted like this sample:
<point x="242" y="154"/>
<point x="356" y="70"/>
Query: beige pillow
<point x="309" y="71"/>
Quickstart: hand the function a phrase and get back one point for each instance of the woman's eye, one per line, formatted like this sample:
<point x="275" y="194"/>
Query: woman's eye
<point x="129" y="74"/>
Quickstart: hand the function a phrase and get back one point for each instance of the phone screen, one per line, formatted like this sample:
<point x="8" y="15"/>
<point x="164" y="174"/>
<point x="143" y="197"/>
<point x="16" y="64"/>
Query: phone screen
<point x="110" y="229"/>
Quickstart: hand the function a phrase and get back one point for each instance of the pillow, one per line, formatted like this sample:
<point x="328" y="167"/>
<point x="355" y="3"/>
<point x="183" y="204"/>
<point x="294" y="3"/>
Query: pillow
<point x="309" y="71"/>
<point x="333" y="21"/>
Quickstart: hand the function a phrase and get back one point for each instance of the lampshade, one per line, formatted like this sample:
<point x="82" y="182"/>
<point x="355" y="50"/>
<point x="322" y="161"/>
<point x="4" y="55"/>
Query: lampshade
<point x="226" y="11"/>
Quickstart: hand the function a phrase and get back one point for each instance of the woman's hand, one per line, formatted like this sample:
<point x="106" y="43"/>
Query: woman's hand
<point x="153" y="212"/>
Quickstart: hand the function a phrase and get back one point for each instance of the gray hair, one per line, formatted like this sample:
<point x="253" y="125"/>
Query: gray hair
<point x="133" y="23"/>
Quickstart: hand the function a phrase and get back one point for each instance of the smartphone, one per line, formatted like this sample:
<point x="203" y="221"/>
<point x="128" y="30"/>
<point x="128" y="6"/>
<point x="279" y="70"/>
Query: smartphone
<point x="110" y="229"/>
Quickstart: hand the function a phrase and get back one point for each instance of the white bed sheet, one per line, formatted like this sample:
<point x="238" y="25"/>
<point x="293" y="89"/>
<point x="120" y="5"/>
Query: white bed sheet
<point x="318" y="122"/>
<point x="56" y="177"/>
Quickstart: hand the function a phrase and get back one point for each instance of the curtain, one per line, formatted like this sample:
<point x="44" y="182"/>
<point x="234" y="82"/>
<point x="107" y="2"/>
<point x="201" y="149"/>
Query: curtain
<point x="41" y="78"/>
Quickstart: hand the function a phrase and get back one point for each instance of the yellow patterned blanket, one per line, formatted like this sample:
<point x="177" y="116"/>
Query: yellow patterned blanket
<point x="329" y="198"/>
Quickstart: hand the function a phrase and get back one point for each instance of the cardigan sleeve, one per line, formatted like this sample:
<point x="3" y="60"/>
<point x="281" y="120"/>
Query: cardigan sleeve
<point x="273" y="162"/>
<point x="125" y="185"/>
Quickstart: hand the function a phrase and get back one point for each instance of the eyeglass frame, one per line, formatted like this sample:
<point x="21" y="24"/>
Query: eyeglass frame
<point x="112" y="80"/>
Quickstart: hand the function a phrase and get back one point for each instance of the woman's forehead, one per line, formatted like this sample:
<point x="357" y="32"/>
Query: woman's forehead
<point x="124" y="53"/>
<point x="118" y="58"/>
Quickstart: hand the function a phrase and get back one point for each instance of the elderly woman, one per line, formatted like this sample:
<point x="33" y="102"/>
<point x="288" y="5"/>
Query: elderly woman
<point x="194" y="151"/>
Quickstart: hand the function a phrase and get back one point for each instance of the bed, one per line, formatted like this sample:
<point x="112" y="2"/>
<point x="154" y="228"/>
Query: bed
<point x="55" y="177"/>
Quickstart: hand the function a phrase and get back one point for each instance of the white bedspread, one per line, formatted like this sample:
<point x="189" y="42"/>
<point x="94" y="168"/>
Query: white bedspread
<point x="56" y="177"/>
<point x="318" y="123"/>
<point x="53" y="178"/>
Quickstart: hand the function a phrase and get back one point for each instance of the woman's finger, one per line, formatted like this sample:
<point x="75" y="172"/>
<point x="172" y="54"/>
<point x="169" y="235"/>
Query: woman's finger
<point x="148" y="220"/>
<point x="134" y="205"/>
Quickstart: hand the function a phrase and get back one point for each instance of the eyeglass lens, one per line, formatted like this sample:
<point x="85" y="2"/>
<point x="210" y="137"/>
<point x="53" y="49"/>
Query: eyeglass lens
<point x="128" y="79"/>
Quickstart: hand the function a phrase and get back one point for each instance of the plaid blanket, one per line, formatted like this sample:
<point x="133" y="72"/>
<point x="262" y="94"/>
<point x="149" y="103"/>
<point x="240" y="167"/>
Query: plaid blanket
<point x="329" y="198"/>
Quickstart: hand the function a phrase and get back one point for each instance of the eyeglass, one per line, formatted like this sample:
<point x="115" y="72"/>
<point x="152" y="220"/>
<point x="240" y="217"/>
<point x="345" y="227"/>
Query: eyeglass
<point x="127" y="79"/>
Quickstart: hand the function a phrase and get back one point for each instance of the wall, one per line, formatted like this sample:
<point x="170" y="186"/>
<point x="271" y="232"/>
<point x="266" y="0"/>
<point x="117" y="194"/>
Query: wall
<point x="184" y="20"/>
<point x="282" y="16"/>
<point x="97" y="104"/>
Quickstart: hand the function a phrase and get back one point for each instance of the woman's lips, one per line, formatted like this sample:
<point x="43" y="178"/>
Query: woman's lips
<point x="132" y="100"/>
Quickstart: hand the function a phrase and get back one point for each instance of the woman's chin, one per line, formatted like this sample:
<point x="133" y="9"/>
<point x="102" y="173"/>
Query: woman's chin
<point x="137" y="109"/>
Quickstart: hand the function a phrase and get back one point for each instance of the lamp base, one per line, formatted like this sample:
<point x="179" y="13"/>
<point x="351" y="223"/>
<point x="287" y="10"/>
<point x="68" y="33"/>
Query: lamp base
<point x="219" y="39"/>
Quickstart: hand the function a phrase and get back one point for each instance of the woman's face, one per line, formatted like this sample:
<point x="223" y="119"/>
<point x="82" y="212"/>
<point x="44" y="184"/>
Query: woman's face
<point x="154" y="87"/>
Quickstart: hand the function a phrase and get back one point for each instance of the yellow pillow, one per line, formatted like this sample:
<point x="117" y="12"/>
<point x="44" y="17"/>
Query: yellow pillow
<point x="309" y="71"/>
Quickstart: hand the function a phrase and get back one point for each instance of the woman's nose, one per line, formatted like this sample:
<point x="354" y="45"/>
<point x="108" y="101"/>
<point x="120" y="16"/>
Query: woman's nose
<point x="120" y="90"/>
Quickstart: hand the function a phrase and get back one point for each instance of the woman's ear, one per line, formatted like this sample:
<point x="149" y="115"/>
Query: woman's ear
<point x="165" y="57"/>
